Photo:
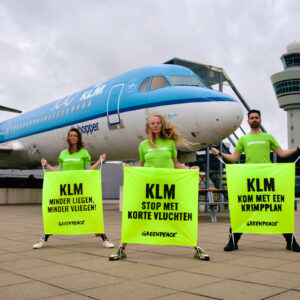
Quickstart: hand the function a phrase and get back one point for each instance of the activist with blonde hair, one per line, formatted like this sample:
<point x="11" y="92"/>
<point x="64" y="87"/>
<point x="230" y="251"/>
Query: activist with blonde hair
<point x="75" y="157"/>
<point x="159" y="151"/>
<point x="168" y="131"/>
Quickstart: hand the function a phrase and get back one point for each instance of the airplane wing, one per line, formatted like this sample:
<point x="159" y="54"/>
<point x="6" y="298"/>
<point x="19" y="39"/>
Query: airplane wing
<point x="5" y="108"/>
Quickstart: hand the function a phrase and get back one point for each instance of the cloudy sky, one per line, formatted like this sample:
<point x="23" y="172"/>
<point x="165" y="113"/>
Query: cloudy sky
<point x="50" y="49"/>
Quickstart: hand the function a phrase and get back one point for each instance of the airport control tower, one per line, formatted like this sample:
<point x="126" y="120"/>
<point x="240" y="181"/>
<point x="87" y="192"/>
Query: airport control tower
<point x="287" y="89"/>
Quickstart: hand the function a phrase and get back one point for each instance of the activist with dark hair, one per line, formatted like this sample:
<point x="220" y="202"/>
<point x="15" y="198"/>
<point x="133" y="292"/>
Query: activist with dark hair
<point x="74" y="158"/>
<point x="257" y="146"/>
<point x="159" y="151"/>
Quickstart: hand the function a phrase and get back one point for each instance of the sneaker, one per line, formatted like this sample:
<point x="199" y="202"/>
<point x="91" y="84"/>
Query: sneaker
<point x="119" y="255"/>
<point x="40" y="244"/>
<point x="108" y="244"/>
<point x="201" y="254"/>
<point x="292" y="244"/>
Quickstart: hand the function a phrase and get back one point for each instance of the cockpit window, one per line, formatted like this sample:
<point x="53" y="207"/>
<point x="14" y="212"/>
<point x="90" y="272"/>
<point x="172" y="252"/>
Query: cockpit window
<point x="158" y="82"/>
<point x="185" y="80"/>
<point x="144" y="85"/>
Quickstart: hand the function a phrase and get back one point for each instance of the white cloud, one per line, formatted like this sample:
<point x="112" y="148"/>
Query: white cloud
<point x="49" y="49"/>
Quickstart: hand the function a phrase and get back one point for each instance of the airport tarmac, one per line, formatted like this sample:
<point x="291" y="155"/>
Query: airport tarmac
<point x="77" y="267"/>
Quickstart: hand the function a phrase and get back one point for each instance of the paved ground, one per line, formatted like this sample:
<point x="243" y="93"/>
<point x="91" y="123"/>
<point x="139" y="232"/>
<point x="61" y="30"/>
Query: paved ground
<point x="77" y="267"/>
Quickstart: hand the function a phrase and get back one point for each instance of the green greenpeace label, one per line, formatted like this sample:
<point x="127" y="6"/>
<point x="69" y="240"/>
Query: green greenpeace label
<point x="160" y="206"/>
<point x="72" y="202"/>
<point x="261" y="197"/>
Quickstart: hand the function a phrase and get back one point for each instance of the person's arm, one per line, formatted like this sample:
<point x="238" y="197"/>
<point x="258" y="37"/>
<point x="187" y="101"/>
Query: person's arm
<point x="287" y="152"/>
<point x="179" y="165"/>
<point x="47" y="166"/>
<point x="234" y="157"/>
<point x="98" y="162"/>
<point x="142" y="156"/>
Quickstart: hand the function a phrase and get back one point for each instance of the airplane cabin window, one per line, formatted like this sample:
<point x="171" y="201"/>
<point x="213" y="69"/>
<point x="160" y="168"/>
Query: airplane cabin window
<point x="185" y="80"/>
<point x="144" y="85"/>
<point x="77" y="106"/>
<point x="67" y="111"/>
<point x="90" y="102"/>
<point x="72" y="108"/>
<point x="62" y="112"/>
<point x="83" y="105"/>
<point x="158" y="82"/>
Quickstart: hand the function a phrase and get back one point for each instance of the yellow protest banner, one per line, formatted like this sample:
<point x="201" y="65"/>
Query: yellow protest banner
<point x="72" y="202"/>
<point x="160" y="206"/>
<point x="261" y="197"/>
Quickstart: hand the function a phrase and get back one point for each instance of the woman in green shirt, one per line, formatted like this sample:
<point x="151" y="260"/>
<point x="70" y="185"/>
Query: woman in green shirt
<point x="159" y="151"/>
<point x="74" y="158"/>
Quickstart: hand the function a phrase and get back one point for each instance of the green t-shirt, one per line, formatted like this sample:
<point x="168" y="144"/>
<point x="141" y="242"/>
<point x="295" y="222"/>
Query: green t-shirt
<point x="257" y="147"/>
<point x="161" y="157"/>
<point x="75" y="161"/>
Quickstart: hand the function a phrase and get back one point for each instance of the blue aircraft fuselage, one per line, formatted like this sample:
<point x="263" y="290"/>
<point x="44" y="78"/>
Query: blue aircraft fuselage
<point x="154" y="87"/>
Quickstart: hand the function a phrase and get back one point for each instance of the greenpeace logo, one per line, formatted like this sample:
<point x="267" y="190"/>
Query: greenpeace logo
<point x="162" y="148"/>
<point x="68" y="223"/>
<point x="258" y="142"/>
<point x="262" y="223"/>
<point x="159" y="234"/>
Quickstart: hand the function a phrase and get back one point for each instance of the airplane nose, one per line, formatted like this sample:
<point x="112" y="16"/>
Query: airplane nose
<point x="216" y="120"/>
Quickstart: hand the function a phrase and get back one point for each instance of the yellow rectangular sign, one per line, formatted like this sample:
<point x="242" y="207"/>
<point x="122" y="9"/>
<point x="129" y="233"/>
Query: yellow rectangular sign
<point x="261" y="197"/>
<point x="72" y="202"/>
<point x="160" y="206"/>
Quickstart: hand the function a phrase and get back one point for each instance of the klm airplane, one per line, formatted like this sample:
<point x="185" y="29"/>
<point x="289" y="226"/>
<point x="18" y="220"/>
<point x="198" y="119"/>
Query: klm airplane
<point x="111" y="116"/>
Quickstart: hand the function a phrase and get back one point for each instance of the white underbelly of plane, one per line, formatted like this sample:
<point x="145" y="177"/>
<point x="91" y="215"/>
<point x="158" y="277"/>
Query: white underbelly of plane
<point x="201" y="123"/>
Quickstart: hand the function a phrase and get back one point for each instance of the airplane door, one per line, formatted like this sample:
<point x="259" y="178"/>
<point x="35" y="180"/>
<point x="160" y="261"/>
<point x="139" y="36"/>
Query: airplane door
<point x="113" y="104"/>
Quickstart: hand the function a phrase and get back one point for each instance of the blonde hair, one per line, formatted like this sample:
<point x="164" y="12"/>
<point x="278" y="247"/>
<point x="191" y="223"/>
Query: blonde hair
<point x="168" y="131"/>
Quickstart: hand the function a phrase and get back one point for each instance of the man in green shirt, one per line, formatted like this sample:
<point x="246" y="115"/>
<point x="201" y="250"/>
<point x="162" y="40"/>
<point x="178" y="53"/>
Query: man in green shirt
<point x="257" y="146"/>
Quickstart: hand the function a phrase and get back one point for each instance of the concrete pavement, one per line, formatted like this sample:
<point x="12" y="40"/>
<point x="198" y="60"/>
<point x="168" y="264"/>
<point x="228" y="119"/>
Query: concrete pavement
<point x="77" y="267"/>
